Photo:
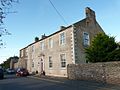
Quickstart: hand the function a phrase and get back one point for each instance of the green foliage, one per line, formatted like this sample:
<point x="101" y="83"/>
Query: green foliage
<point x="6" y="63"/>
<point x="114" y="56"/>
<point x="102" y="45"/>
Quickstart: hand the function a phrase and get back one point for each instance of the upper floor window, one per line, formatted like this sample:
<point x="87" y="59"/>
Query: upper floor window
<point x="26" y="52"/>
<point x="50" y="43"/>
<point x="32" y="48"/>
<point x="62" y="38"/>
<point x="21" y="53"/>
<point x="50" y="62"/>
<point x="42" y="45"/>
<point x="63" y="60"/>
<point x="86" y="40"/>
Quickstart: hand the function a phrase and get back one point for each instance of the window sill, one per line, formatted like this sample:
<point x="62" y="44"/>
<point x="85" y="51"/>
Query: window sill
<point x="63" y="68"/>
<point x="50" y="68"/>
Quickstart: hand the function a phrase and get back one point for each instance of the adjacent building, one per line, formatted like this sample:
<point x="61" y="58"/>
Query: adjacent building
<point x="23" y="57"/>
<point x="13" y="62"/>
<point x="51" y="54"/>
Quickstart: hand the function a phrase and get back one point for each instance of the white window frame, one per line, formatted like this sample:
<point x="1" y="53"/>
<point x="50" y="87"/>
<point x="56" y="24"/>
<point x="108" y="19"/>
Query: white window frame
<point x="33" y="49"/>
<point x="86" y="39"/>
<point x="63" y="61"/>
<point x="42" y="45"/>
<point x="50" y="62"/>
<point x="33" y="65"/>
<point x="21" y="53"/>
<point x="50" y="43"/>
<point x="62" y="39"/>
<point x="26" y="51"/>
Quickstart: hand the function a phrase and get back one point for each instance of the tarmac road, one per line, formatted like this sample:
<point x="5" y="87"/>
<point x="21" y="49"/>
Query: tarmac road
<point x="11" y="82"/>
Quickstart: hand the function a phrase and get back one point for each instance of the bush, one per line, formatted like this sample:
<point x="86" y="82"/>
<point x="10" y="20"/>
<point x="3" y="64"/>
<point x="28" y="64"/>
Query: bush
<point x="114" y="56"/>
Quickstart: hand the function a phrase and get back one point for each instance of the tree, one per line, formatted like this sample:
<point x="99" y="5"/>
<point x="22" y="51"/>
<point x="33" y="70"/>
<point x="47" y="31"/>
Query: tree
<point x="6" y="63"/>
<point x="100" y="48"/>
<point x="5" y="6"/>
<point x="114" y="55"/>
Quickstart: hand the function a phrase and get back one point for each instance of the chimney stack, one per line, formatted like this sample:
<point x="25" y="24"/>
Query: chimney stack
<point x="62" y="27"/>
<point x="43" y="36"/>
<point x="90" y="13"/>
<point x="36" y="39"/>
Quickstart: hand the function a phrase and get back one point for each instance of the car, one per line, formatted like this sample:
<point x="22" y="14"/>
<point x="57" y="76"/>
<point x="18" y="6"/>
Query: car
<point x="10" y="71"/>
<point x="22" y="72"/>
<point x="1" y="73"/>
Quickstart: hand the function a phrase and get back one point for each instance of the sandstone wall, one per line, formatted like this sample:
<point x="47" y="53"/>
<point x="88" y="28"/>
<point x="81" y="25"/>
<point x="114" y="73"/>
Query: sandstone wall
<point x="108" y="72"/>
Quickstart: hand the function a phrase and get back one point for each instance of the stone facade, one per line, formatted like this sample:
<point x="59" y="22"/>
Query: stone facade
<point x="108" y="72"/>
<point x="15" y="65"/>
<point x="22" y="62"/>
<point x="51" y="54"/>
<point x="38" y="57"/>
<point x="89" y="26"/>
<point x="13" y="61"/>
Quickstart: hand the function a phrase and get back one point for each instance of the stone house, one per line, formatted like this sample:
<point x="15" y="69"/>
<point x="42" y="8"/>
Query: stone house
<point x="22" y="62"/>
<point x="51" y="54"/>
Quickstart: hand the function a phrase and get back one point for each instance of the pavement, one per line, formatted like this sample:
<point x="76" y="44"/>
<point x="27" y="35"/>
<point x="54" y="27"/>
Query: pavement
<point x="50" y="78"/>
<point x="77" y="83"/>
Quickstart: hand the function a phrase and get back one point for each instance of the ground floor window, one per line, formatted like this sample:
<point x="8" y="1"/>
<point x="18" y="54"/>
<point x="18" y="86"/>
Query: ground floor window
<point x="50" y="62"/>
<point x="32" y="64"/>
<point x="63" y="60"/>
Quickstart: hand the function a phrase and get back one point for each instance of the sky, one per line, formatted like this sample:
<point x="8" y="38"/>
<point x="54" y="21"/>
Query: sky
<point x="37" y="17"/>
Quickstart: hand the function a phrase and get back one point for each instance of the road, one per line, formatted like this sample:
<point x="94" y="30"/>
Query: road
<point x="11" y="82"/>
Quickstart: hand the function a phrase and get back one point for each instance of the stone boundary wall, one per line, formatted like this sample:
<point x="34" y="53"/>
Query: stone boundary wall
<point x="108" y="72"/>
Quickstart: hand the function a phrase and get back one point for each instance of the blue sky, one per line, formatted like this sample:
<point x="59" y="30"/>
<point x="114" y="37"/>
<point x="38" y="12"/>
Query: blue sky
<point x="36" y="17"/>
